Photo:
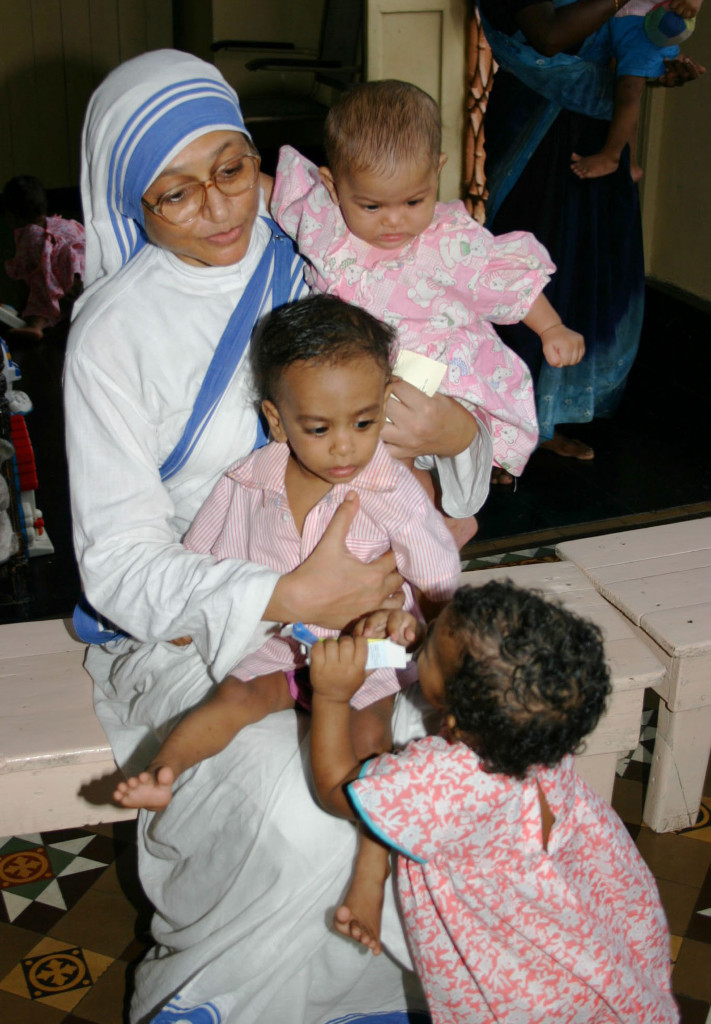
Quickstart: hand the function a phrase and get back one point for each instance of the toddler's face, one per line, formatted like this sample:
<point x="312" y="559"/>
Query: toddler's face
<point x="331" y="416"/>
<point x="438" y="658"/>
<point x="387" y="211"/>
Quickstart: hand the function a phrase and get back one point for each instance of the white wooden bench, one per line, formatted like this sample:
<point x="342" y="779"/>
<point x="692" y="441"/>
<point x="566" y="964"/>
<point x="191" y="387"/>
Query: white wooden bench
<point x="632" y="666"/>
<point x="56" y="766"/>
<point x="660" y="578"/>
<point x="53" y="752"/>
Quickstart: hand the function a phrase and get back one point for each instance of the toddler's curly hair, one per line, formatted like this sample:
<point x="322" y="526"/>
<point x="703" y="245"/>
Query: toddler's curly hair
<point x="532" y="681"/>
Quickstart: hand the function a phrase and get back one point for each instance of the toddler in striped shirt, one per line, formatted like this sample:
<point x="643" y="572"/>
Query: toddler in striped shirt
<point x="321" y="369"/>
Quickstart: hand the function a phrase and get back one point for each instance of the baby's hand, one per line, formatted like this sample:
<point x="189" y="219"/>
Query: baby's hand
<point x="561" y="346"/>
<point x="400" y="627"/>
<point x="685" y="8"/>
<point x="338" y="667"/>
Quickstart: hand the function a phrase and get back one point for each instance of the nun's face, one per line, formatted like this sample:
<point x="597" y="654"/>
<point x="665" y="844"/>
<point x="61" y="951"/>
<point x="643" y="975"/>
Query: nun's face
<point x="219" y="234"/>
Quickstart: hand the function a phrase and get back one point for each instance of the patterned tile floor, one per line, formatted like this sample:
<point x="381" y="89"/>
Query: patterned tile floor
<point x="73" y="921"/>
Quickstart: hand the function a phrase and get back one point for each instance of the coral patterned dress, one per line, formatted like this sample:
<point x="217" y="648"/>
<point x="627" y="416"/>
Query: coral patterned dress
<point x="502" y="929"/>
<point x="442" y="292"/>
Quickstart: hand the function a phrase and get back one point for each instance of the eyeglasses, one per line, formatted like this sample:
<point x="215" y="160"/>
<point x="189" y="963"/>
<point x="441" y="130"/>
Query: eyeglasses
<point x="185" y="202"/>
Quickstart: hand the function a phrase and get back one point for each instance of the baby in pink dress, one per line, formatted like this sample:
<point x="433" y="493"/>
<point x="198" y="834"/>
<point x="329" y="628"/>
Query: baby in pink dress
<point x="374" y="235"/>
<point x="49" y="255"/>
<point x="524" y="898"/>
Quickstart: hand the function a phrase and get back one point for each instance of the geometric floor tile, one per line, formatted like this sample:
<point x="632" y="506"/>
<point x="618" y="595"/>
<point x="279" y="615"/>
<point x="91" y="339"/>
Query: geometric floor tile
<point x="55" y="973"/>
<point x="43" y="876"/>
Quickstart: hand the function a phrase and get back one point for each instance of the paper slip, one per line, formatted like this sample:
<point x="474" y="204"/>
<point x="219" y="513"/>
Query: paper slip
<point x="423" y="373"/>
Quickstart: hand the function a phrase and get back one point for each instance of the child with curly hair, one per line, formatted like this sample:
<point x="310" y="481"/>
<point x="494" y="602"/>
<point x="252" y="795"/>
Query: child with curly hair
<point x="524" y="898"/>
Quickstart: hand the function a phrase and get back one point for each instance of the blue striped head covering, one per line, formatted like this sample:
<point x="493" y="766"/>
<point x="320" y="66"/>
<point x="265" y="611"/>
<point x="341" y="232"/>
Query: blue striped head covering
<point x="144" y="113"/>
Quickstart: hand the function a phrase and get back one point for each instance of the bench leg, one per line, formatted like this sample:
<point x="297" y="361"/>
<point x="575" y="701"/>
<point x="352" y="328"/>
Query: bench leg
<point x="676" y="778"/>
<point x="598" y="770"/>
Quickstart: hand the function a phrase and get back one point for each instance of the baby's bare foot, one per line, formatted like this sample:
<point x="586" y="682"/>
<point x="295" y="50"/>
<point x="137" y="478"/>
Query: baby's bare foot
<point x="359" y="916"/>
<point x="151" y="789"/>
<point x="595" y="166"/>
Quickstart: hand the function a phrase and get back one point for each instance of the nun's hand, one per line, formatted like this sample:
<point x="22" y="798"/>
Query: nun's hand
<point x="332" y="587"/>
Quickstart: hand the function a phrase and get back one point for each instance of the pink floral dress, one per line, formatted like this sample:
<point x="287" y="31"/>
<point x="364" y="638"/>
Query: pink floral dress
<point x="442" y="293"/>
<point x="502" y="929"/>
<point x="47" y="259"/>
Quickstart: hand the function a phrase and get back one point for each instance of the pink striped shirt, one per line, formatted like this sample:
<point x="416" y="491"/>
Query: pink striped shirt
<point x="247" y="516"/>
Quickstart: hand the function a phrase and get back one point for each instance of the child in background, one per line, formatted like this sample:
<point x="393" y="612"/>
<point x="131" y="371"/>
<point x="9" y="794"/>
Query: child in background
<point x="524" y="897"/>
<point x="49" y="255"/>
<point x="642" y="36"/>
<point x="374" y="234"/>
<point x="321" y="368"/>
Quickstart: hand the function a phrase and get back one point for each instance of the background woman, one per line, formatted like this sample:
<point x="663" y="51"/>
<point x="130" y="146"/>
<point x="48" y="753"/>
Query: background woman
<point x="551" y="98"/>
<point x="181" y="263"/>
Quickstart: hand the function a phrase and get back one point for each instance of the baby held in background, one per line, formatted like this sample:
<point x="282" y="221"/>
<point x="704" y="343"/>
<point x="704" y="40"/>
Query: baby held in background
<point x="49" y="255"/>
<point x="523" y="895"/>
<point x="642" y="36"/>
<point x="321" y="369"/>
<point x="374" y="234"/>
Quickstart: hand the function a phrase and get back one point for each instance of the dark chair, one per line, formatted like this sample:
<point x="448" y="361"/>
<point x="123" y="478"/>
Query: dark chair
<point x="292" y="116"/>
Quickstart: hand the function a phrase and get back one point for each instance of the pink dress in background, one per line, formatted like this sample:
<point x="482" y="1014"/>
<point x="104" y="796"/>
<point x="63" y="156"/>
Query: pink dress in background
<point x="442" y="293"/>
<point x="247" y="516"/>
<point x="501" y="929"/>
<point x="47" y="259"/>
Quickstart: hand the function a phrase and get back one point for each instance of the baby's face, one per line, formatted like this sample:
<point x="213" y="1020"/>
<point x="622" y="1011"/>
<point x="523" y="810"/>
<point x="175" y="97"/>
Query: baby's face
<point x="331" y="416"/>
<point x="387" y="211"/>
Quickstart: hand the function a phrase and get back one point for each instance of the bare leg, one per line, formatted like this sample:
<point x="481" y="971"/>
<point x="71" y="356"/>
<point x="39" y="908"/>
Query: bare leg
<point x="623" y="129"/>
<point x="204" y="732"/>
<point x="33" y="330"/>
<point x="360" y="913"/>
<point x="461" y="529"/>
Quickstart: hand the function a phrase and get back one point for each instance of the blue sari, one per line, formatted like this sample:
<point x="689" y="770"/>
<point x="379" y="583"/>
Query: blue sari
<point x="540" y="111"/>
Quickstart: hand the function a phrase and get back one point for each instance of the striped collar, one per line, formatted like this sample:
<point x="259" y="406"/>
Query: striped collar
<point x="265" y="470"/>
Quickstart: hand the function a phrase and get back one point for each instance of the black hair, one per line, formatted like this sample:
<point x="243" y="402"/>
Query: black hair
<point x="378" y="126"/>
<point x="25" y="198"/>
<point x="532" y="681"/>
<point x="319" y="329"/>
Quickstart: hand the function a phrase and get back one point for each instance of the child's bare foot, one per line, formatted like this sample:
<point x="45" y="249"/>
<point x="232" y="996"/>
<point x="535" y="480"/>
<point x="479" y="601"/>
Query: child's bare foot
<point x="359" y="916"/>
<point x="151" y="789"/>
<point x="595" y="166"/>
<point x="461" y="529"/>
<point x="501" y="477"/>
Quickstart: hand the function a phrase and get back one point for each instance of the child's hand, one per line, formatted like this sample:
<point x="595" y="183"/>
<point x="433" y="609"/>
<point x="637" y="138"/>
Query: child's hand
<point x="338" y="667"/>
<point x="400" y="627"/>
<point x="561" y="346"/>
<point x="685" y="8"/>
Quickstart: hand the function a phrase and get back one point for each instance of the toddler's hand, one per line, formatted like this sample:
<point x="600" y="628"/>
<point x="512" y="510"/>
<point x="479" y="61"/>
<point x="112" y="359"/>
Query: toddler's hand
<point x="400" y="627"/>
<point x="561" y="346"/>
<point x="338" y="667"/>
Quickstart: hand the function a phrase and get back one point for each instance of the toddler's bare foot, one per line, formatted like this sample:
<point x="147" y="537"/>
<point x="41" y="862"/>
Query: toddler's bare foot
<point x="359" y="916"/>
<point x="461" y="529"/>
<point x="595" y="166"/>
<point x="151" y="789"/>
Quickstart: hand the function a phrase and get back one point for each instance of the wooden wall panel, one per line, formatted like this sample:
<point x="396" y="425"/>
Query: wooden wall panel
<point x="60" y="50"/>
<point x="424" y="42"/>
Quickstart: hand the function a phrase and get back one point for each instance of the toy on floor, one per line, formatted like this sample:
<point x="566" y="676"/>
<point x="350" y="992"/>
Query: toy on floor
<point x="8" y="540"/>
